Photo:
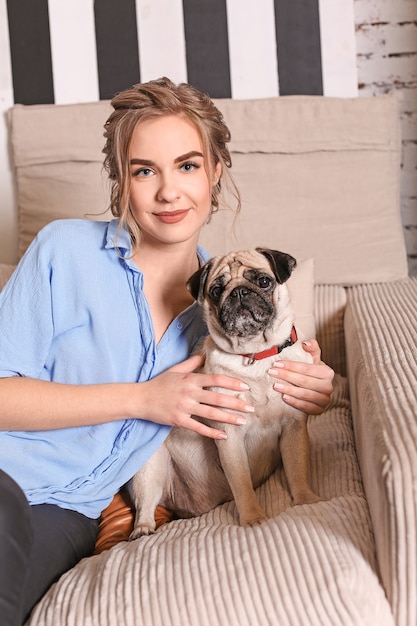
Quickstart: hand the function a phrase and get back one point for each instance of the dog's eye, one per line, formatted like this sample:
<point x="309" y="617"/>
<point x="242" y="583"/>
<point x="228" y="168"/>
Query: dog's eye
<point x="215" y="293"/>
<point x="264" y="282"/>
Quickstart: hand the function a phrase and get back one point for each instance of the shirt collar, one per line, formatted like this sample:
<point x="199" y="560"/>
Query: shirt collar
<point x="118" y="238"/>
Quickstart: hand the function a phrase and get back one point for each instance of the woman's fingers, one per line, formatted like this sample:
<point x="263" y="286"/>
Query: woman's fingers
<point x="180" y="397"/>
<point x="313" y="348"/>
<point x="306" y="386"/>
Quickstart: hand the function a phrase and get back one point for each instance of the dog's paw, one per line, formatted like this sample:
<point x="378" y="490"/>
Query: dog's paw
<point x="307" y="497"/>
<point x="253" y="519"/>
<point x="142" y="530"/>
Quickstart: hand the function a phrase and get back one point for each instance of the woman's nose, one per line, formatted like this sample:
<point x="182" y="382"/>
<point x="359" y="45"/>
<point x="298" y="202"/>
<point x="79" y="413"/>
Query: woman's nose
<point x="168" y="190"/>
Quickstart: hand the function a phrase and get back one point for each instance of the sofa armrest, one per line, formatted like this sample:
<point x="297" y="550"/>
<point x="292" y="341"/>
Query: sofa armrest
<point x="381" y="350"/>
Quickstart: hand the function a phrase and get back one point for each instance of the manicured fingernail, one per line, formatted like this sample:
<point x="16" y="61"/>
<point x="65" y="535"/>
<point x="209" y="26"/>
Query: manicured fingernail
<point x="307" y="343"/>
<point x="241" y="421"/>
<point x="244" y="386"/>
<point x="249" y="408"/>
<point x="279" y="364"/>
<point x="221" y="435"/>
<point x="278" y="386"/>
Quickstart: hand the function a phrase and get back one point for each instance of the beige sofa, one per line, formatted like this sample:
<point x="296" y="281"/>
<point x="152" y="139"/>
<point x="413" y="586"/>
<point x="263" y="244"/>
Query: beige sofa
<point x="319" y="179"/>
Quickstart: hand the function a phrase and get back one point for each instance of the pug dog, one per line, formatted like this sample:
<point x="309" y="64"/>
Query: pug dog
<point x="251" y="324"/>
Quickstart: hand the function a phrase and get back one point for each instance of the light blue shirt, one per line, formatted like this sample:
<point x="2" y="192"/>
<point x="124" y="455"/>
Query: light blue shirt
<point x="74" y="312"/>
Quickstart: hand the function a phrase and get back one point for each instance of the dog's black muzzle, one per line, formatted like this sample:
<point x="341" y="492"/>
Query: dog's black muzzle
<point x="245" y="313"/>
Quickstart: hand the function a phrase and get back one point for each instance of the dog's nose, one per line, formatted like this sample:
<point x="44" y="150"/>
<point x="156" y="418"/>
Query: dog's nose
<point x="239" y="292"/>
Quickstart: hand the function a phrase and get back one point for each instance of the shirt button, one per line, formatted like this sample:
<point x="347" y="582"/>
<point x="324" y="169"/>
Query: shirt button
<point x="179" y="325"/>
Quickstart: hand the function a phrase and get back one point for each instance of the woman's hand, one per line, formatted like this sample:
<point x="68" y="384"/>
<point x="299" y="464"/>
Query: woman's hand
<point x="175" y="396"/>
<point x="306" y="386"/>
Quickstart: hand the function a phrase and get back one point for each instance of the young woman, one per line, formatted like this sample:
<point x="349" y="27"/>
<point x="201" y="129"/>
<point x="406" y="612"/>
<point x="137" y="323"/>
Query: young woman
<point x="96" y="329"/>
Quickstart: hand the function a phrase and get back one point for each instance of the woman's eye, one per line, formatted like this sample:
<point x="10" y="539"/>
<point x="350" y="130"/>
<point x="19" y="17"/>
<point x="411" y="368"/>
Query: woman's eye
<point x="143" y="171"/>
<point x="189" y="166"/>
<point x="264" y="282"/>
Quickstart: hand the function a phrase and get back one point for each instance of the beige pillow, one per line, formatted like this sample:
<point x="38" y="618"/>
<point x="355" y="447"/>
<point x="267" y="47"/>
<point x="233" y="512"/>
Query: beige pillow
<point x="57" y="154"/>
<point x="301" y="289"/>
<point x="319" y="177"/>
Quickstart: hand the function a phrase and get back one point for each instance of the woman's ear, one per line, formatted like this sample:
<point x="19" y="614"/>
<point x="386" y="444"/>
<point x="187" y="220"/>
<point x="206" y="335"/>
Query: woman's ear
<point x="217" y="173"/>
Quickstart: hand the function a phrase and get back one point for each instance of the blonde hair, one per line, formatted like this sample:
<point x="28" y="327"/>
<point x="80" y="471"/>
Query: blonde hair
<point x="158" y="98"/>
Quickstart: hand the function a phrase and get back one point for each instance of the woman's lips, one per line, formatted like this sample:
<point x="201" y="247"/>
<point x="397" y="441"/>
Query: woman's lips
<point x="171" y="217"/>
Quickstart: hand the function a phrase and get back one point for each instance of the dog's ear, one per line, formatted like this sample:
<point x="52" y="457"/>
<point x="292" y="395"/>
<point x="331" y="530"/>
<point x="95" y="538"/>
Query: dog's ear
<point x="197" y="282"/>
<point x="281" y="263"/>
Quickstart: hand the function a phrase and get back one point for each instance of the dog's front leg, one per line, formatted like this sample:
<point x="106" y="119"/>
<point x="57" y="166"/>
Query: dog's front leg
<point x="234" y="460"/>
<point x="294" y="445"/>
<point x="146" y="489"/>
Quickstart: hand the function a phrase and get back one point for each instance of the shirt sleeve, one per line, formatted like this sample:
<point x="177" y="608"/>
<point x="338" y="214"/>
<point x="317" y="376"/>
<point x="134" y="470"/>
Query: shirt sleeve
<point x="26" y="321"/>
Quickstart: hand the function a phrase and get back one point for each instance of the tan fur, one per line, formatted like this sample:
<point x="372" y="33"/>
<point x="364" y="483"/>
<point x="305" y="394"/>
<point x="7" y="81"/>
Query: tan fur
<point x="191" y="474"/>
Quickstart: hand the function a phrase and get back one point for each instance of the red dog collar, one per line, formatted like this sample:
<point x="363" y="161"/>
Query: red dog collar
<point x="258" y="356"/>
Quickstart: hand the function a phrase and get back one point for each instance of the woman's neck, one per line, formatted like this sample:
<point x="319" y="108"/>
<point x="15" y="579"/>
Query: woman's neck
<point x="166" y="271"/>
<point x="174" y="259"/>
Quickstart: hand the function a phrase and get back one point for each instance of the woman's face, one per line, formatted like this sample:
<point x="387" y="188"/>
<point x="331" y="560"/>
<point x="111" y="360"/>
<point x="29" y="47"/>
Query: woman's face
<point x="170" y="194"/>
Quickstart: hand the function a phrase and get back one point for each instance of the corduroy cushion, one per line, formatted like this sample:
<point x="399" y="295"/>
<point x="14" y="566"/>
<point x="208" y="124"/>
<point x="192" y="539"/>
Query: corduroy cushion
<point x="312" y="564"/>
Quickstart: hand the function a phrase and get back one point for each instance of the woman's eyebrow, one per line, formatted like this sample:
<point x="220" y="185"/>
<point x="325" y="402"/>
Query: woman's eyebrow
<point x="141" y="162"/>
<point x="179" y="159"/>
<point x="188" y="155"/>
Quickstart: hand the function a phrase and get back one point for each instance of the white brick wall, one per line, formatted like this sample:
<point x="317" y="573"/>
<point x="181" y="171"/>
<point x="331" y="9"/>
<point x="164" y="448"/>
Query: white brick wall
<point x="386" y="40"/>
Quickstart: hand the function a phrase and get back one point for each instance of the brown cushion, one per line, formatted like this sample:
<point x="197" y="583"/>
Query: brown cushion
<point x="116" y="521"/>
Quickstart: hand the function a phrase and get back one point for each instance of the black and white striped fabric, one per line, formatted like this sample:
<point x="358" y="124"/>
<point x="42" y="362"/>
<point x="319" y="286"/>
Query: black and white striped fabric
<point x="63" y="52"/>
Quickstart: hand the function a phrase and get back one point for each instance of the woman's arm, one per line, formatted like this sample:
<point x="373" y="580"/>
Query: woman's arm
<point x="171" y="398"/>
<point x="306" y="386"/>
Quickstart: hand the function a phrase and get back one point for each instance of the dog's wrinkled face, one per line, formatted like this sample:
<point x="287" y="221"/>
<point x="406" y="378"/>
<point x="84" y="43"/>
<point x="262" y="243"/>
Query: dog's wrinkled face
<point x="243" y="299"/>
<point x="240" y="291"/>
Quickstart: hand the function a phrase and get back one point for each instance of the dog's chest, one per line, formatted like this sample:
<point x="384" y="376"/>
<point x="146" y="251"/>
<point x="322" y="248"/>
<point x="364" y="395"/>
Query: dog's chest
<point x="270" y="410"/>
